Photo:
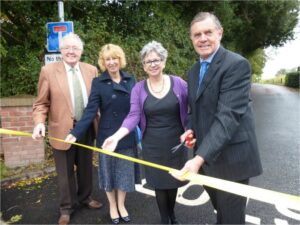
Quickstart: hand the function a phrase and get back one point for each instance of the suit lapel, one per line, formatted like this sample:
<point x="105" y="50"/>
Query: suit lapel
<point x="119" y="87"/>
<point x="62" y="80"/>
<point x="88" y="82"/>
<point x="211" y="71"/>
<point x="195" y="80"/>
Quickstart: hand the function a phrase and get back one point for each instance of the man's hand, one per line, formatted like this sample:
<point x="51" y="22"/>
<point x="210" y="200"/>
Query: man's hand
<point x="191" y="166"/>
<point x="38" y="131"/>
<point x="189" y="137"/>
<point x="70" y="138"/>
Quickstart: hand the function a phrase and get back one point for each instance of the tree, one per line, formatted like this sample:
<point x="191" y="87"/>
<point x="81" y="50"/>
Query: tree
<point x="281" y="72"/>
<point x="249" y="27"/>
<point x="257" y="60"/>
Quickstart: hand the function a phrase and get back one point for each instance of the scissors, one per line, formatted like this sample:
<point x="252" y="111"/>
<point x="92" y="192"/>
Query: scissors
<point x="177" y="147"/>
<point x="188" y="139"/>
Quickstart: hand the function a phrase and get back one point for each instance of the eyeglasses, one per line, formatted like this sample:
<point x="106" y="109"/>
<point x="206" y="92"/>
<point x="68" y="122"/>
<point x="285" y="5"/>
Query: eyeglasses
<point x="155" y="62"/>
<point x="69" y="48"/>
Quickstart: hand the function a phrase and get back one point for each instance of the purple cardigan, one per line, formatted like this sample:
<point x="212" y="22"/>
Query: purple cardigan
<point x="138" y="96"/>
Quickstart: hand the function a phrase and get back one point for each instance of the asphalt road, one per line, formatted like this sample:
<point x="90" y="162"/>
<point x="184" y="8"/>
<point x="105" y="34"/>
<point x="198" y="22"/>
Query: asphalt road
<point x="277" y="112"/>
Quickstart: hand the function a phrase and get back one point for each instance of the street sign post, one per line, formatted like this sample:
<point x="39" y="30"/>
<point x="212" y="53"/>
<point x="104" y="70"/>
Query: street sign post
<point x="56" y="30"/>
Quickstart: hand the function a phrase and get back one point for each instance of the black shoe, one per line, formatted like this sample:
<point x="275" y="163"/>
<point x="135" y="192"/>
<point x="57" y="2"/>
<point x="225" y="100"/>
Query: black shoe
<point x="115" y="220"/>
<point x="126" y="219"/>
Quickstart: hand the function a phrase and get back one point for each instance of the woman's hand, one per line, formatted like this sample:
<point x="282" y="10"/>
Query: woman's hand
<point x="189" y="137"/>
<point x="110" y="143"/>
<point x="70" y="138"/>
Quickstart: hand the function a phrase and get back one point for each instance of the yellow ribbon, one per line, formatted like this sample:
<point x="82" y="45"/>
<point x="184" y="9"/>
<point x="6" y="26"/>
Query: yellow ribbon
<point x="260" y="194"/>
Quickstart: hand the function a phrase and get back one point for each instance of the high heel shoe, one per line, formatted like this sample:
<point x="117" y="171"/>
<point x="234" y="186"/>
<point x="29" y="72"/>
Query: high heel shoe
<point x="115" y="220"/>
<point x="126" y="219"/>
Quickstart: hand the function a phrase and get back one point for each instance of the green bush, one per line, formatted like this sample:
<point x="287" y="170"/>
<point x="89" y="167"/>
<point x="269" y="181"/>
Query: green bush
<point x="131" y="24"/>
<point x="292" y="79"/>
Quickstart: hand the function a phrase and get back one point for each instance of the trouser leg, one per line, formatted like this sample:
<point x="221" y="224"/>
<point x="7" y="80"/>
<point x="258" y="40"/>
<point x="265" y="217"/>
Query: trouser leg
<point x="64" y="165"/>
<point x="231" y="208"/>
<point x="84" y="172"/>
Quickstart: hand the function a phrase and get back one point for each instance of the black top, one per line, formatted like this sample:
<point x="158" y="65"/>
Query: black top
<point x="163" y="130"/>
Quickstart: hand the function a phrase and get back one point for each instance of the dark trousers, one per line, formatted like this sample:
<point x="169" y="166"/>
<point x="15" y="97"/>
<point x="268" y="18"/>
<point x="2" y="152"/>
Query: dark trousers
<point x="231" y="208"/>
<point x="74" y="186"/>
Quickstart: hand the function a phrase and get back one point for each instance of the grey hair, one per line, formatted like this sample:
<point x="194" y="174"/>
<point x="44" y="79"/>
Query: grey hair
<point x="156" y="47"/>
<point x="204" y="15"/>
<point x="71" y="36"/>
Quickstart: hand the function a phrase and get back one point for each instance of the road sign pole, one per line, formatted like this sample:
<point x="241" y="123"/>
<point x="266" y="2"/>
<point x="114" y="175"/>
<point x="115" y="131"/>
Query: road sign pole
<point x="61" y="10"/>
<point x="61" y="17"/>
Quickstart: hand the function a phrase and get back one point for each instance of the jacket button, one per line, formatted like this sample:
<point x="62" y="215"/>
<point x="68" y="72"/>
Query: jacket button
<point x="113" y="96"/>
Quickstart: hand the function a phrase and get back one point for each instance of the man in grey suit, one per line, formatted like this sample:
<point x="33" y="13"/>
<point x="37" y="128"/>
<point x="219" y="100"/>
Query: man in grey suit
<point x="221" y="117"/>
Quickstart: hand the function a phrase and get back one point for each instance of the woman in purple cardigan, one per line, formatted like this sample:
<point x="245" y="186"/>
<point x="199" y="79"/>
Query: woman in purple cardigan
<point x="159" y="106"/>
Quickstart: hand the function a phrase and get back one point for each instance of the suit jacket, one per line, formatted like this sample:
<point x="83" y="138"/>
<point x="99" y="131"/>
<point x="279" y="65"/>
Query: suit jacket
<point x="113" y="102"/>
<point x="54" y="100"/>
<point x="222" y="118"/>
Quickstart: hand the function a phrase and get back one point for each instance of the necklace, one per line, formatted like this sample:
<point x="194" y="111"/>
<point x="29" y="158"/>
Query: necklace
<point x="162" y="87"/>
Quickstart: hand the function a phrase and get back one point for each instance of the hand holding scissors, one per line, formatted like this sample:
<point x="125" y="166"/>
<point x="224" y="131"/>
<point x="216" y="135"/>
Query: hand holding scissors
<point x="188" y="141"/>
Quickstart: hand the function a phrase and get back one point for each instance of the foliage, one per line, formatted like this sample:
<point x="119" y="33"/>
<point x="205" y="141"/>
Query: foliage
<point x="278" y="80"/>
<point x="3" y="169"/>
<point x="292" y="79"/>
<point x="14" y="219"/>
<point x="249" y="27"/>
<point x="281" y="72"/>
<point x="6" y="172"/>
<point x="257" y="60"/>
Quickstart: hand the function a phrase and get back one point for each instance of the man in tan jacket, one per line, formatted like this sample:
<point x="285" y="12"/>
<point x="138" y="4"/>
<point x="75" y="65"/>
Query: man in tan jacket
<point x="63" y="91"/>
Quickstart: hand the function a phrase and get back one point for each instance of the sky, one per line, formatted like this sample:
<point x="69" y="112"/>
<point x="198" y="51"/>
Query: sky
<point x="285" y="57"/>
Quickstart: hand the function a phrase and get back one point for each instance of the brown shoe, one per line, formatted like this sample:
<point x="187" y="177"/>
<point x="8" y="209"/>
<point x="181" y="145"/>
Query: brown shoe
<point x="94" y="204"/>
<point x="64" y="219"/>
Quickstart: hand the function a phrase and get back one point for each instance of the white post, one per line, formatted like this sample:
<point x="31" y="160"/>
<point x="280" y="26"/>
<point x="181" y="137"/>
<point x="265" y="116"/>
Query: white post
<point x="61" y="17"/>
<point x="61" y="10"/>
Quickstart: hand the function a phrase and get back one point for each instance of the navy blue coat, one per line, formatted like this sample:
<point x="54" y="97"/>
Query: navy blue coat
<point x="113" y="102"/>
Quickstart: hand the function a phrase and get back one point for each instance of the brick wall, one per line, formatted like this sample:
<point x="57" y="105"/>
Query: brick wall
<point x="16" y="114"/>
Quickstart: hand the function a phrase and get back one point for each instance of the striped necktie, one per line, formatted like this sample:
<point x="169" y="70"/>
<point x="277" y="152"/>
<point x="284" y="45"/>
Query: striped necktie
<point x="78" y="97"/>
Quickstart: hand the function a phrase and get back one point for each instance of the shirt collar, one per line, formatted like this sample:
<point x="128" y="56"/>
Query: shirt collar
<point x="68" y="67"/>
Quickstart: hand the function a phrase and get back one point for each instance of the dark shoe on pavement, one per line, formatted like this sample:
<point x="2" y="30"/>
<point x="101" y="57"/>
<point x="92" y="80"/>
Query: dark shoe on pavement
<point x="115" y="220"/>
<point x="126" y="219"/>
<point x="94" y="204"/>
<point x="64" y="219"/>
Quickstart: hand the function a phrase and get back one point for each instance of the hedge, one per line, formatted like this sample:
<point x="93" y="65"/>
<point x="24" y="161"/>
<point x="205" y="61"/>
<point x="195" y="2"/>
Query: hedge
<point x="292" y="79"/>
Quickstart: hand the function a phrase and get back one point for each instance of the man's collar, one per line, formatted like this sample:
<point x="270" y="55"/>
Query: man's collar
<point x="68" y="67"/>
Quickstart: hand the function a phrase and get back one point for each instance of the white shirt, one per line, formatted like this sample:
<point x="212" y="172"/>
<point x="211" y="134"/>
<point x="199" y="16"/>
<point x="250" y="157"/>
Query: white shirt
<point x="82" y="83"/>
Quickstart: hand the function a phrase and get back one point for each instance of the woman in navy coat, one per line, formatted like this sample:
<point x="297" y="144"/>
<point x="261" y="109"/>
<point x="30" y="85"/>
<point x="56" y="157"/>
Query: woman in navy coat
<point x="110" y="94"/>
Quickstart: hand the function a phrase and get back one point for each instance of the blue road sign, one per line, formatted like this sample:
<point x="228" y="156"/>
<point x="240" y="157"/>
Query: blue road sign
<point x="56" y="30"/>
